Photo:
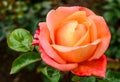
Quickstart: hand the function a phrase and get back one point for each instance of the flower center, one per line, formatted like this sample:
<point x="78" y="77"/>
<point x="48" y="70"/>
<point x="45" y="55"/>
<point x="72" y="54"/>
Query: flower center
<point x="69" y="33"/>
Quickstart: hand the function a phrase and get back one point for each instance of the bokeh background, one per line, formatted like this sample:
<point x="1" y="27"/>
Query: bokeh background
<point x="28" y="13"/>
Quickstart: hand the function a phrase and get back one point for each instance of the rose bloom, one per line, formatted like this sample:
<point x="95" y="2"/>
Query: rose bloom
<point x="74" y="39"/>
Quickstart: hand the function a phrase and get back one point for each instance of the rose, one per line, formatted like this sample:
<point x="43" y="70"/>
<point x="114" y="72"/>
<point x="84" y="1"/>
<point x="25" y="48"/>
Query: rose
<point x="74" y="39"/>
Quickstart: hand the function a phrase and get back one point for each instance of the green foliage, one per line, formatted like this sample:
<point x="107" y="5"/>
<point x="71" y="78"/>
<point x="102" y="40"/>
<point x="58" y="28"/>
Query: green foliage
<point x="52" y="75"/>
<point x="5" y="28"/>
<point x="113" y="10"/>
<point x="20" y="40"/>
<point x="83" y="79"/>
<point x="17" y="13"/>
<point x="111" y="76"/>
<point x="24" y="60"/>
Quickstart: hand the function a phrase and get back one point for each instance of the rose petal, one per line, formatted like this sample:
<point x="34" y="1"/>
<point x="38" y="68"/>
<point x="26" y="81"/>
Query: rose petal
<point x="92" y="30"/>
<point x="68" y="34"/>
<point x="83" y="40"/>
<point x="55" y="17"/>
<point x="81" y="30"/>
<point x="45" y="44"/>
<point x="37" y="33"/>
<point x="95" y="67"/>
<point x="35" y="42"/>
<point x="79" y="16"/>
<point x="103" y="33"/>
<point x="88" y="11"/>
<point x="62" y="67"/>
<point x="36" y="36"/>
<point x="78" y="53"/>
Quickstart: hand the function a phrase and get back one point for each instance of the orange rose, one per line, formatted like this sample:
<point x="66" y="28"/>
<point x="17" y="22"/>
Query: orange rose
<point x="74" y="39"/>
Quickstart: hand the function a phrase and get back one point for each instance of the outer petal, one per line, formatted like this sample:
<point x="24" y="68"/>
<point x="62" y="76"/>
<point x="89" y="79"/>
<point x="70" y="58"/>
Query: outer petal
<point x="78" y="53"/>
<point x="45" y="44"/>
<point x="103" y="33"/>
<point x="36" y="36"/>
<point x="62" y="67"/>
<point x="88" y="11"/>
<point x="95" y="67"/>
<point x="35" y="42"/>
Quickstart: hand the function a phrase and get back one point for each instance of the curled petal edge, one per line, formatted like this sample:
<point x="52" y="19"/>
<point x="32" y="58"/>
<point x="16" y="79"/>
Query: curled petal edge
<point x="95" y="67"/>
<point x="62" y="67"/>
<point x="35" y="41"/>
<point x="45" y="44"/>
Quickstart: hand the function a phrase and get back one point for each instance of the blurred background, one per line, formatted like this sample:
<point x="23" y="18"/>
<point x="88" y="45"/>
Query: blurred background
<point x="28" y="13"/>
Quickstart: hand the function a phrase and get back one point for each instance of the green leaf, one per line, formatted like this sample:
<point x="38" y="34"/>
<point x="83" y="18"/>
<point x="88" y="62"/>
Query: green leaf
<point x="75" y="78"/>
<point x="88" y="79"/>
<point x="52" y="74"/>
<point x="24" y="60"/>
<point x="111" y="76"/>
<point x="108" y="16"/>
<point x="55" y="76"/>
<point x="20" y="40"/>
<point x="83" y="79"/>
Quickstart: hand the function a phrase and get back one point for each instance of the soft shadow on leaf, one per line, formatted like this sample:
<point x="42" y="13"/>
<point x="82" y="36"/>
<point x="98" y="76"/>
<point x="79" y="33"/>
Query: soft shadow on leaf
<point x="24" y="60"/>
